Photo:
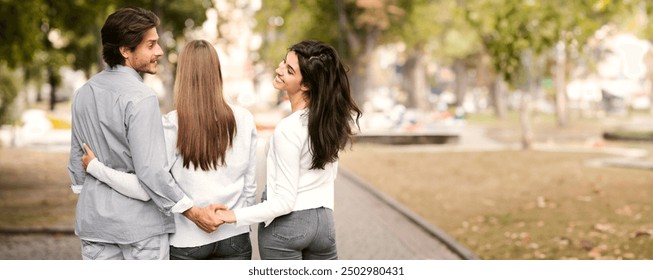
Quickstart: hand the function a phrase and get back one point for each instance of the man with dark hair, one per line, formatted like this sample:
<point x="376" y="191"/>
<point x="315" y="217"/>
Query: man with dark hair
<point x="118" y="116"/>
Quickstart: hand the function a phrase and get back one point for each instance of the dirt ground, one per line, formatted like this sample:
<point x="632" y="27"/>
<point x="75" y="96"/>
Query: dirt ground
<point x="35" y="190"/>
<point x="37" y="207"/>
<point x="552" y="202"/>
<point x="519" y="204"/>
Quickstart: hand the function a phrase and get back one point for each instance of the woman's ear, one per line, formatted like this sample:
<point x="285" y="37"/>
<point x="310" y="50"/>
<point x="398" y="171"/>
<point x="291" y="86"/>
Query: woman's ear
<point x="303" y="87"/>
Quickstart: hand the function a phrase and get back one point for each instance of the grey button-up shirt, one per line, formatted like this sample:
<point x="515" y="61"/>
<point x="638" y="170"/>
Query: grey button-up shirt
<point x="118" y="116"/>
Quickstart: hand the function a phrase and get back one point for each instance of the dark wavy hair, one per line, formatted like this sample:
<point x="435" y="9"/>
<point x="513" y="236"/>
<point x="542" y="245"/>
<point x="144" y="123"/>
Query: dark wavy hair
<point x="332" y="112"/>
<point x="125" y="28"/>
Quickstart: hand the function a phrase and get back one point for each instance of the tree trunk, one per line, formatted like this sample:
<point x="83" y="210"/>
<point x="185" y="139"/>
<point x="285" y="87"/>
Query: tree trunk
<point x="525" y="120"/>
<point x="498" y="99"/>
<point x="525" y="106"/>
<point x="39" y="93"/>
<point x="361" y="73"/>
<point x="560" y="85"/>
<point x="407" y="84"/>
<point x="357" y="83"/>
<point x="361" y="52"/>
<point x="52" y="80"/>
<point x="461" y="81"/>
<point x="414" y="81"/>
<point x="648" y="60"/>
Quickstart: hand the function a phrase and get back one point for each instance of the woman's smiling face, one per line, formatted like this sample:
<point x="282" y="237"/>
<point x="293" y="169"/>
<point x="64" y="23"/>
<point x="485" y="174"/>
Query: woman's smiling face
<point x="288" y="75"/>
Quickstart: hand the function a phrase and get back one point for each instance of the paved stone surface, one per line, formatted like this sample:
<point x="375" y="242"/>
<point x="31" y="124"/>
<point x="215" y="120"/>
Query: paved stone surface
<point x="367" y="228"/>
<point x="39" y="247"/>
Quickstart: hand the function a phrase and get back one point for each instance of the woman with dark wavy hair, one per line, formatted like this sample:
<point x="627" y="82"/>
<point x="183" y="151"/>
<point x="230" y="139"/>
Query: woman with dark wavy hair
<point x="296" y="213"/>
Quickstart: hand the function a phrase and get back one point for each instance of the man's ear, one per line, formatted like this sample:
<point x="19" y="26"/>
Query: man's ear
<point x="124" y="51"/>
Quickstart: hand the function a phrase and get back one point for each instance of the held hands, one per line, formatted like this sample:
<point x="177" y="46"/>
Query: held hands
<point x="226" y="216"/>
<point x="206" y="217"/>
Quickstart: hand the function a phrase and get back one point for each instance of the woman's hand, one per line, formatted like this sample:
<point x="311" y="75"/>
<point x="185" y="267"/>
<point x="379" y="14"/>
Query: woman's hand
<point x="228" y="216"/>
<point x="87" y="157"/>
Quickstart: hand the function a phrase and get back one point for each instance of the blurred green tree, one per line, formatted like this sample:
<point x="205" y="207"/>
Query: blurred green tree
<point x="519" y="35"/>
<point x="354" y="27"/>
<point x="437" y="30"/>
<point x="41" y="36"/>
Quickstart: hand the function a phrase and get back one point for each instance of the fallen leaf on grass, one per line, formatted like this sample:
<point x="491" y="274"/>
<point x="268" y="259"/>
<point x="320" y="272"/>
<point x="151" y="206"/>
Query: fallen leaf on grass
<point x="586" y="244"/>
<point x="640" y="233"/>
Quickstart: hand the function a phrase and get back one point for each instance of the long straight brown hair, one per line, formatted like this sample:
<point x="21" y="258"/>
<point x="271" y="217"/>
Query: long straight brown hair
<point x="207" y="125"/>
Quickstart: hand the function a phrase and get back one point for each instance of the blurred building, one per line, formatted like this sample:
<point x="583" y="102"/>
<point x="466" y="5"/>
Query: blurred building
<point x="620" y="82"/>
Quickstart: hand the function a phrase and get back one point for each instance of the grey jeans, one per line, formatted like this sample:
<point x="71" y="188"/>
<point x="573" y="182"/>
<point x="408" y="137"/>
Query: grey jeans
<point x="237" y="247"/>
<point x="307" y="234"/>
<point x="153" y="248"/>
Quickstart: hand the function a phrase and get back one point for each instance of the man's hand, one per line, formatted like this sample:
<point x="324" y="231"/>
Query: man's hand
<point x="205" y="217"/>
<point x="87" y="157"/>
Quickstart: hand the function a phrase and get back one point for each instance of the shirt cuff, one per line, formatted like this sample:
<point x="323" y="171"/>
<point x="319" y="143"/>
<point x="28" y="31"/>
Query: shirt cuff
<point x="77" y="189"/>
<point x="91" y="167"/>
<point x="184" y="204"/>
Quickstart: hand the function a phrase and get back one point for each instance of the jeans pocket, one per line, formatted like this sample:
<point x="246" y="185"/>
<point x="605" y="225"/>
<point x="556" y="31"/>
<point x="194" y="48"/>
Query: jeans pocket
<point x="91" y="250"/>
<point x="186" y="253"/>
<point x="290" y="227"/>
<point x="331" y="225"/>
<point x="332" y="233"/>
<point x="241" y="243"/>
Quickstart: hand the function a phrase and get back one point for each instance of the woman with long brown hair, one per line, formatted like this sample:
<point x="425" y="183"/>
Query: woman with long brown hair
<point x="211" y="148"/>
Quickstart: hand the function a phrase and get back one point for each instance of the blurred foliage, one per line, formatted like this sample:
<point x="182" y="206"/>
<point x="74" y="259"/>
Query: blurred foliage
<point x="20" y="35"/>
<point x="354" y="27"/>
<point x="8" y="92"/>
<point x="510" y="28"/>
<point x="342" y="23"/>
<point x="448" y="30"/>
<point x="38" y="37"/>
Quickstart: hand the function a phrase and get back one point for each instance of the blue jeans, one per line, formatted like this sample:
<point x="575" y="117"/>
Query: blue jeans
<point x="307" y="234"/>
<point x="238" y="247"/>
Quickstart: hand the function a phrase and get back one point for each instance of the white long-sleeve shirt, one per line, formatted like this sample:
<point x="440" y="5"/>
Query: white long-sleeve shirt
<point x="233" y="184"/>
<point x="291" y="186"/>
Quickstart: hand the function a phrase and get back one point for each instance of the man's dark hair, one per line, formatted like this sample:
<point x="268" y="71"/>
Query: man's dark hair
<point x="125" y="28"/>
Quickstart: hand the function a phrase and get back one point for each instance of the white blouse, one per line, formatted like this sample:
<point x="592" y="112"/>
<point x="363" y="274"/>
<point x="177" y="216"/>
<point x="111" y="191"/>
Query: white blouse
<point x="233" y="185"/>
<point x="291" y="186"/>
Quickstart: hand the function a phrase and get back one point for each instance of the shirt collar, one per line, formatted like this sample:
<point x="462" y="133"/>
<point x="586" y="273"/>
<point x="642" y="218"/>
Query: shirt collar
<point x="127" y="70"/>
